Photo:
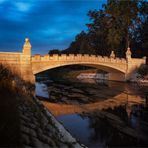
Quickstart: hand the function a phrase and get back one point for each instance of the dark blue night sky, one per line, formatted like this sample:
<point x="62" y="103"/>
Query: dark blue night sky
<point x="47" y="23"/>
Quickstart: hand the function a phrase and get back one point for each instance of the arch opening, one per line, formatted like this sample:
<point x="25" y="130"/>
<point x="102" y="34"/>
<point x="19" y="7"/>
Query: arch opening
<point x="113" y="74"/>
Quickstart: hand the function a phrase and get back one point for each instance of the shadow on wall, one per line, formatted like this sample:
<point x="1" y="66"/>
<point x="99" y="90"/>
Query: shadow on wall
<point x="11" y="88"/>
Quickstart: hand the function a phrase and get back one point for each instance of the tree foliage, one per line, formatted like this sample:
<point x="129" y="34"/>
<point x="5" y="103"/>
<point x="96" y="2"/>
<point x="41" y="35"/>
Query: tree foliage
<point x="143" y="71"/>
<point x="120" y="24"/>
<point x="54" y="51"/>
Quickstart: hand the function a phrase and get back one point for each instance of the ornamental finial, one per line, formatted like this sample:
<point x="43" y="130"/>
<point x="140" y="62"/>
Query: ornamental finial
<point x="27" y="43"/>
<point x="112" y="55"/>
<point x="128" y="53"/>
<point x="26" y="40"/>
<point x="27" y="47"/>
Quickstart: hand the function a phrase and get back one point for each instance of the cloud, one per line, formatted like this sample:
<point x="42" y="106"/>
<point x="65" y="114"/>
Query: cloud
<point x="22" y="6"/>
<point x="48" y="23"/>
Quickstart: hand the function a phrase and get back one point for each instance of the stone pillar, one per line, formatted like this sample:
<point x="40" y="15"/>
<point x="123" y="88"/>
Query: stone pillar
<point x="26" y="67"/>
<point x="132" y="65"/>
<point x="128" y="54"/>
<point x="112" y="55"/>
<point x="27" y="47"/>
<point x="129" y="70"/>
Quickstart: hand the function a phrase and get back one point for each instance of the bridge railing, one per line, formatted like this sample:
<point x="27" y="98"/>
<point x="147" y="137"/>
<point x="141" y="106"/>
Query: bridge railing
<point x="76" y="57"/>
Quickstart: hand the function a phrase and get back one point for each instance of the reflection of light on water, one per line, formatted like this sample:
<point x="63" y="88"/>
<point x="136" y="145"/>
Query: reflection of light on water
<point x="94" y="81"/>
<point x="74" y="122"/>
<point x="120" y="105"/>
<point x="102" y="81"/>
<point x="121" y="99"/>
<point x="134" y="122"/>
<point x="41" y="90"/>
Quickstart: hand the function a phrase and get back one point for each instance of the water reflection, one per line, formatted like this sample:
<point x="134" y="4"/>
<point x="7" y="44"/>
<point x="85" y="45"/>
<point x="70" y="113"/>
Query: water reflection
<point x="111" y="103"/>
<point x="109" y="132"/>
<point x="119" y="118"/>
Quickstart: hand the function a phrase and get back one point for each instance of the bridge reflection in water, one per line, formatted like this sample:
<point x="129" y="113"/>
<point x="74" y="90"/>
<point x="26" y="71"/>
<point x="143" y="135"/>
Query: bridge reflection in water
<point x="117" y="118"/>
<point x="119" y="100"/>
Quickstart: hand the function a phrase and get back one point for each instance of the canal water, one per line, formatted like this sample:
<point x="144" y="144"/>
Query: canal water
<point x="101" y="113"/>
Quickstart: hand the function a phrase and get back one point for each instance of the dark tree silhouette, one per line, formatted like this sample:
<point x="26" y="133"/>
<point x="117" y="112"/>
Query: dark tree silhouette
<point x="118" y="25"/>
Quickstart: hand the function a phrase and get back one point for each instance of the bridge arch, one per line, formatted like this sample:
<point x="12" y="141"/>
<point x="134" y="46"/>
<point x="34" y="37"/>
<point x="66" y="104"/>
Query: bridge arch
<point x="114" y="73"/>
<point x="98" y="66"/>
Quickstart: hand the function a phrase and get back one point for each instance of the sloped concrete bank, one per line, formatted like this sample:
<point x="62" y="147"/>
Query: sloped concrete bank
<point x="39" y="128"/>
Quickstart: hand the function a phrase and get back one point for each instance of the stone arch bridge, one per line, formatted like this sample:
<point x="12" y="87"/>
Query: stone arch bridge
<point x="26" y="66"/>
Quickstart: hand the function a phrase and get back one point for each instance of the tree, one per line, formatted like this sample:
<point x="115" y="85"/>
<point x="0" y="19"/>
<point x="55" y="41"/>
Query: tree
<point x="125" y="18"/>
<point x="81" y="45"/>
<point x="54" y="51"/>
<point x="98" y="32"/>
<point x="120" y="24"/>
<point x="140" y="42"/>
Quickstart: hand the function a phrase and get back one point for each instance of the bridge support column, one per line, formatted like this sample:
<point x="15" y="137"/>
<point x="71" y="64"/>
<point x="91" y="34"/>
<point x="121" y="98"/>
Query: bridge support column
<point x="26" y="67"/>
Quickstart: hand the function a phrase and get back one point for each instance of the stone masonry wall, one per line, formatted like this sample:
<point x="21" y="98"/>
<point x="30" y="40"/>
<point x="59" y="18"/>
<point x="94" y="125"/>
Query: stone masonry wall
<point x="11" y="60"/>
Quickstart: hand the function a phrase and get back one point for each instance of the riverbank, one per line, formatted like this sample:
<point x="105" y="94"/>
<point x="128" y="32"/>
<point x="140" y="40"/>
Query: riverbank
<point x="24" y="120"/>
<point x="34" y="126"/>
<point x="9" y="120"/>
<point x="40" y="129"/>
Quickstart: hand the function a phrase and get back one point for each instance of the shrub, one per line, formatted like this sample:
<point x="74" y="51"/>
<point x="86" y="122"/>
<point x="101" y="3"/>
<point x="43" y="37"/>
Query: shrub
<point x="5" y="73"/>
<point x="6" y="78"/>
<point x="143" y="71"/>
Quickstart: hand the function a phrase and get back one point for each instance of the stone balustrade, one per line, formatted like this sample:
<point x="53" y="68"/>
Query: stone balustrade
<point x="75" y="57"/>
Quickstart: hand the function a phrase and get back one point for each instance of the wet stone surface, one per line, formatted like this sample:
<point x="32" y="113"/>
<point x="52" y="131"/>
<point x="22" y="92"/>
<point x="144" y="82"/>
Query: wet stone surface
<point x="38" y="130"/>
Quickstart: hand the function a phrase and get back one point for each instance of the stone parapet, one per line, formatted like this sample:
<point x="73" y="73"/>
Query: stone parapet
<point x="70" y="57"/>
